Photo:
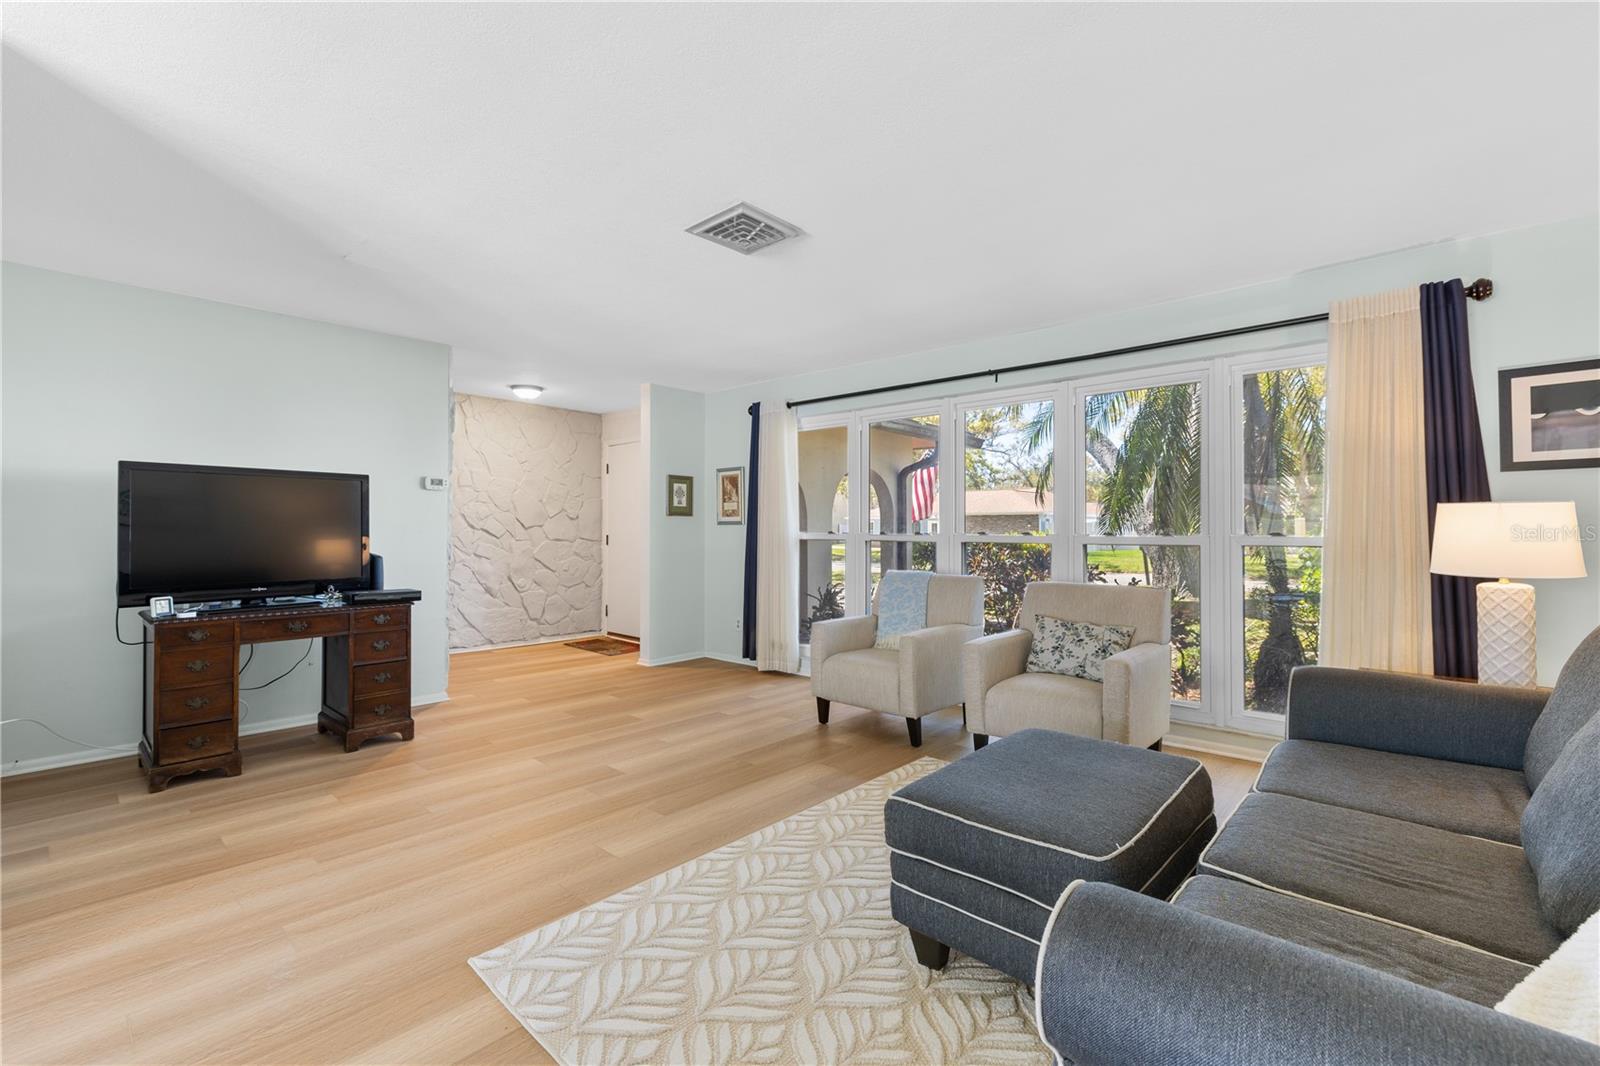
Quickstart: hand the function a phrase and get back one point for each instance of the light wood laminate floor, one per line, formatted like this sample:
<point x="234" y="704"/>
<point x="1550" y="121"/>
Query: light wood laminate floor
<point x="322" y="907"/>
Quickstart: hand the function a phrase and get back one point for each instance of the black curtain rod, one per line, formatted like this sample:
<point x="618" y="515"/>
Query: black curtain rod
<point x="1481" y="289"/>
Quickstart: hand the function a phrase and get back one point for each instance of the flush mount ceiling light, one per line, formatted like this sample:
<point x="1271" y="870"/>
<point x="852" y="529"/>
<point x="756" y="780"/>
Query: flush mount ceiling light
<point x="744" y="228"/>
<point x="527" y="392"/>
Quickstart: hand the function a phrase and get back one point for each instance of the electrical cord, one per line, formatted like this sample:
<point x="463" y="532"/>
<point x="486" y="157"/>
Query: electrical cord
<point x="116" y="617"/>
<point x="303" y="657"/>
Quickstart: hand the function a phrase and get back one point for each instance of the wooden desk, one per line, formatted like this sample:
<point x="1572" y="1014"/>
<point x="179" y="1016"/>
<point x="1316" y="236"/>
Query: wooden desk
<point x="191" y="680"/>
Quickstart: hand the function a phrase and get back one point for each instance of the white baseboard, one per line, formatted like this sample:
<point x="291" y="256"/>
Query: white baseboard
<point x="562" y="639"/>
<point x="1213" y="746"/>
<point x="246" y="729"/>
<point x="668" y="660"/>
<point x="735" y="660"/>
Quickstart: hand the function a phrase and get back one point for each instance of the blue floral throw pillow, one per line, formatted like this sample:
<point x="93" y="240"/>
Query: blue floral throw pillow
<point x="1077" y="649"/>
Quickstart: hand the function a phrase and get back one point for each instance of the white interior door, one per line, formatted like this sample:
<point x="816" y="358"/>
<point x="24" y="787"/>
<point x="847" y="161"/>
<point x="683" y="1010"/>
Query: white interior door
<point x="622" y="500"/>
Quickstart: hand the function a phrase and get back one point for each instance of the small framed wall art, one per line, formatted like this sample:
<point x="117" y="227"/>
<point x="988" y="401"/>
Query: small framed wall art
<point x="730" y="495"/>
<point x="1550" y="416"/>
<point x="680" y="496"/>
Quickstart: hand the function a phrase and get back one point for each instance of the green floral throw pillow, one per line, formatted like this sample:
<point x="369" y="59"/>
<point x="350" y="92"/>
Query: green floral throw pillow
<point x="1077" y="649"/>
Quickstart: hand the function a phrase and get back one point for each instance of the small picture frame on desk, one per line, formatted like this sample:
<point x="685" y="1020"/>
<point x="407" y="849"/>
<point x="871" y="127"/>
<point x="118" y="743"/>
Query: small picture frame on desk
<point x="161" y="607"/>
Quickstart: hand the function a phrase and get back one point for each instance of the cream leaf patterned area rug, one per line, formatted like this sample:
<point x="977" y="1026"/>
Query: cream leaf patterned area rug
<point x="778" y="948"/>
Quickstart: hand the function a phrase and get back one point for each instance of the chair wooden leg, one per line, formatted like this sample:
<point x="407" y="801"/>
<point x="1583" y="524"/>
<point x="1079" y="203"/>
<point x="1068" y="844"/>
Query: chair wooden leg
<point x="914" y="727"/>
<point x="1156" y="746"/>
<point x="931" y="953"/>
<point x="979" y="740"/>
<point x="822" y="710"/>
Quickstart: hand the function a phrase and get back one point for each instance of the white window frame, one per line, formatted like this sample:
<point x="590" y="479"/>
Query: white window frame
<point x="1221" y="539"/>
<point x="1230" y="565"/>
<point x="1202" y="373"/>
<point x="834" y="421"/>
<point x="959" y="538"/>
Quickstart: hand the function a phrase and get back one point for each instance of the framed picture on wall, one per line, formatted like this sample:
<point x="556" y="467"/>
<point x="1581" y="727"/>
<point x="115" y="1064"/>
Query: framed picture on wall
<point x="680" y="495"/>
<point x="1550" y="416"/>
<point x="730" y="495"/>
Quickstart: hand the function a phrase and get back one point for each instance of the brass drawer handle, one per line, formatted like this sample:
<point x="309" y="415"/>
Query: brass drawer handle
<point x="380" y="645"/>
<point x="194" y="703"/>
<point x="381" y="619"/>
<point x="381" y="709"/>
<point x="196" y="743"/>
<point x="381" y="676"/>
<point x="298" y="626"/>
<point x="198" y="666"/>
<point x="197" y="635"/>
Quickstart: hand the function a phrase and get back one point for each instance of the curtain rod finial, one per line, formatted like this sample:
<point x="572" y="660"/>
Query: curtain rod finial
<point x="1481" y="289"/>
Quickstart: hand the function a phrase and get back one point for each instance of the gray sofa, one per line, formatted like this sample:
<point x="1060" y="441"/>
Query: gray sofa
<point x="1412" y="850"/>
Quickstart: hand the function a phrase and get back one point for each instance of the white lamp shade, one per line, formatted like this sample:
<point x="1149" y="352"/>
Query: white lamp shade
<point x="1514" y="539"/>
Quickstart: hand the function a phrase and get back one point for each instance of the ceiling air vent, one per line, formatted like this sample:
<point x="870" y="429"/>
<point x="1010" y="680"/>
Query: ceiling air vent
<point x="745" y="229"/>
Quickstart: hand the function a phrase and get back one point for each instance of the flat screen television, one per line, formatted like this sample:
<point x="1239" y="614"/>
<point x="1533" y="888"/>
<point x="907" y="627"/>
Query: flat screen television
<point x="199" y="533"/>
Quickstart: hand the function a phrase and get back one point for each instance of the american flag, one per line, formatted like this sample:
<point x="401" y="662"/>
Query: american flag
<point x="924" y="482"/>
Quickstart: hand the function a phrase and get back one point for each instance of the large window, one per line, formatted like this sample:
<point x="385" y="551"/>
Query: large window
<point x="1143" y="502"/>
<point x="1280" y="417"/>
<point x="1204" y="479"/>
<point x="824" y="466"/>
<point x="1007" y="502"/>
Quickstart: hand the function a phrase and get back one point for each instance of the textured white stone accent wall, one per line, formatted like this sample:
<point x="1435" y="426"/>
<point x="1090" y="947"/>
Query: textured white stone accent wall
<point x="524" y="522"/>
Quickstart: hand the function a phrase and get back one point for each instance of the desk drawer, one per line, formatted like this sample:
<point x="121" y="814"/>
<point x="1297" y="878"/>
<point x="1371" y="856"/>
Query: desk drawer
<point x="394" y="614"/>
<point x="188" y="706"/>
<point x="379" y="646"/>
<point x="376" y="710"/>
<point x="194" y="742"/>
<point x="381" y="677"/>
<point x="193" y="634"/>
<point x="203" y="665"/>
<point x="317" y="625"/>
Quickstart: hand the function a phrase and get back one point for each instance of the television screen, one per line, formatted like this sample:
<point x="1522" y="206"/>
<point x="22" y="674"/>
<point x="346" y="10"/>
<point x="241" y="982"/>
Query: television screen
<point x="199" y="532"/>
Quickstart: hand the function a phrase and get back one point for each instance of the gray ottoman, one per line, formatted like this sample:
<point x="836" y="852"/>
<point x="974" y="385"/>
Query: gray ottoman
<point x="981" y="850"/>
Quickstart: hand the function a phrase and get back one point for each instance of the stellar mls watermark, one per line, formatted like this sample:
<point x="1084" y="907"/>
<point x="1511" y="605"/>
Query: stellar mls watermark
<point x="1539" y="533"/>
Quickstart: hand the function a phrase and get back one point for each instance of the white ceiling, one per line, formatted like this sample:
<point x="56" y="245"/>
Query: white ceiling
<point x="514" y="180"/>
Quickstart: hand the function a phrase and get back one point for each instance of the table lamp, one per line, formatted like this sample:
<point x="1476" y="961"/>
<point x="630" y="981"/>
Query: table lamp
<point x="1506" y="540"/>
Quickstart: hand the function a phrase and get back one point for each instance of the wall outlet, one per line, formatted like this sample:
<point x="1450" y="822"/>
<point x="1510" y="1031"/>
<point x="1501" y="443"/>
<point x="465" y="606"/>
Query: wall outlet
<point x="435" y="484"/>
<point x="738" y="623"/>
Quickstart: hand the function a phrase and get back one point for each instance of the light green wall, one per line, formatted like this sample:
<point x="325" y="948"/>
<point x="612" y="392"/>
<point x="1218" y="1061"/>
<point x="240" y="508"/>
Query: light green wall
<point x="672" y="422"/>
<point x="1546" y="308"/>
<point x="95" y="372"/>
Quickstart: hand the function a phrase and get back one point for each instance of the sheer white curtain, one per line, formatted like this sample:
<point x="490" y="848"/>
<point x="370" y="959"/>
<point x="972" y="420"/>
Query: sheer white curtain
<point x="778" y="544"/>
<point x="1376" y="603"/>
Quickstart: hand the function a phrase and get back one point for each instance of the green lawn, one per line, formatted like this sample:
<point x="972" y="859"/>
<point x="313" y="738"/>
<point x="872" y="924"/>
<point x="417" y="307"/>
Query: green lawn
<point x="1117" y="560"/>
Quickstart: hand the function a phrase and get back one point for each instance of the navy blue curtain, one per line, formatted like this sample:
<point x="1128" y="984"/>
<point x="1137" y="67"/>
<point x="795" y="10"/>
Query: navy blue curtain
<point x="1457" y="471"/>
<point x="751" y="516"/>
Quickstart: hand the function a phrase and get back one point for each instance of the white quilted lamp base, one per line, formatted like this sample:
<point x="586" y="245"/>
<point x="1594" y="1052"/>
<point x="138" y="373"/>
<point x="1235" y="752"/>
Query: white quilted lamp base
<point x="1507" y="647"/>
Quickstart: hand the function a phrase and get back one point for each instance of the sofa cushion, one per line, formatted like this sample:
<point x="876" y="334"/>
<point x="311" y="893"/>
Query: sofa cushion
<point x="1482" y="801"/>
<point x="867" y="678"/>
<point x="1561" y="830"/>
<point x="1572" y="704"/>
<point x="1475" y="891"/>
<point x="1039" y="810"/>
<point x="1045" y="701"/>
<point x="1432" y="961"/>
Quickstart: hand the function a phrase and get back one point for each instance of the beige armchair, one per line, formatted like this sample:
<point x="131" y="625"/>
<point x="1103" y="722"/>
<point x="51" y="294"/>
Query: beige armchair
<point x="1134" y="703"/>
<point x="919" y="677"/>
